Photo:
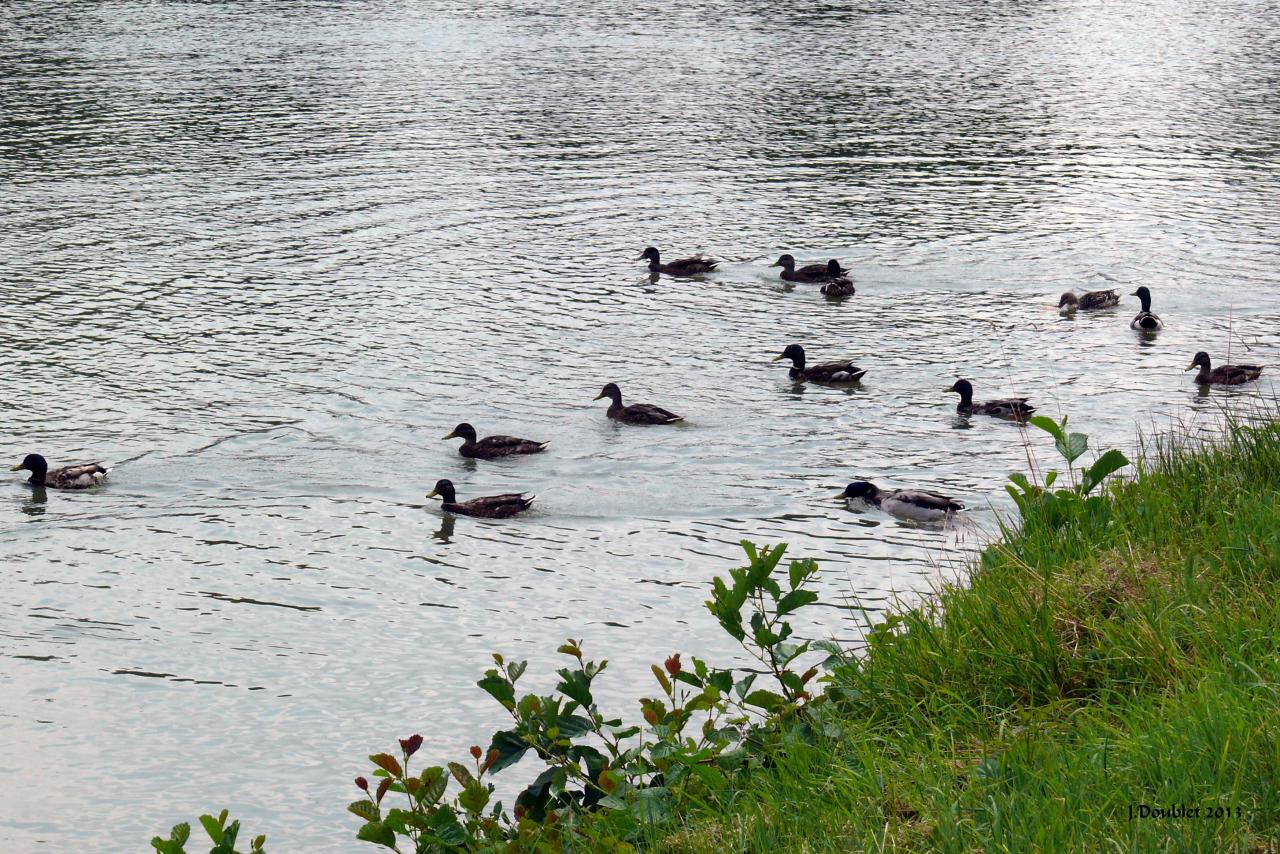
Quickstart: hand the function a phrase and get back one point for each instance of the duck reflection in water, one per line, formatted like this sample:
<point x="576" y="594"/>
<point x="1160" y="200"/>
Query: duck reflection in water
<point x="35" y="505"/>
<point x="445" y="532"/>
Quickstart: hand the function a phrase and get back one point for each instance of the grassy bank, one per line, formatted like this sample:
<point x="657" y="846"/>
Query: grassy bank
<point x="1127" y="658"/>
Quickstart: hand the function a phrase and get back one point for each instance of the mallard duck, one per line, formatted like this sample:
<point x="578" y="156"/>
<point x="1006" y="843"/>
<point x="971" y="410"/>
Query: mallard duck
<point x="1224" y="374"/>
<point x="830" y="372"/>
<point x="839" y="286"/>
<point x="908" y="503"/>
<point x="1089" y="301"/>
<point x="1144" y="320"/>
<point x="489" y="507"/>
<point x="690" y="266"/>
<point x="491" y="447"/>
<point x="82" y="476"/>
<point x="1011" y="408"/>
<point x="809" y="272"/>
<point x="636" y="413"/>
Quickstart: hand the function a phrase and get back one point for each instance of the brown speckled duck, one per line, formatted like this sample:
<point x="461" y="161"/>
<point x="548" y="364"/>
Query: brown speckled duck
<point x="1088" y="301"/>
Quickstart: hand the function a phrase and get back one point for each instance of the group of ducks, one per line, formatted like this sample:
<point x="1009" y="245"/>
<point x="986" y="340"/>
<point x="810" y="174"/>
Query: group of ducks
<point x="910" y="503"/>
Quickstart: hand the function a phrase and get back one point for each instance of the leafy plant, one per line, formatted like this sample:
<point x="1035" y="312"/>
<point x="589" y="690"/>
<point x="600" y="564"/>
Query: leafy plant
<point x="702" y="725"/>
<point x="222" y="834"/>
<point x="1058" y="508"/>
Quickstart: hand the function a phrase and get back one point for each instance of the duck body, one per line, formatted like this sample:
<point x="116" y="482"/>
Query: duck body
<point x="1145" y="320"/>
<point x="691" y="266"/>
<point x="635" y="413"/>
<point x="83" y="476"/>
<point x="917" y="504"/>
<point x="488" y="507"/>
<point x="838" y="288"/>
<point x="809" y="272"/>
<point x="1089" y="301"/>
<point x="829" y="372"/>
<point x="1008" y="408"/>
<point x="1223" y="374"/>
<point x="492" y="447"/>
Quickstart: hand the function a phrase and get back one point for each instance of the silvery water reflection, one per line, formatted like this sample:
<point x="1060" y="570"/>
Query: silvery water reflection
<point x="261" y="256"/>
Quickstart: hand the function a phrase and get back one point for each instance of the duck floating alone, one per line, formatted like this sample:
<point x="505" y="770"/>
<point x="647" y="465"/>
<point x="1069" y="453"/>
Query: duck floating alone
<point x="829" y="372"/>
<point x="1009" y="408"/>
<point x="492" y="447"/>
<point x="488" y="507"/>
<point x="915" y="504"/>
<point x="83" y="476"/>
<point x="809" y="272"/>
<point x="635" y="413"/>
<point x="691" y="266"/>
<point x="1223" y="374"/>
<point x="1145" y="320"/>
<point x="1088" y="301"/>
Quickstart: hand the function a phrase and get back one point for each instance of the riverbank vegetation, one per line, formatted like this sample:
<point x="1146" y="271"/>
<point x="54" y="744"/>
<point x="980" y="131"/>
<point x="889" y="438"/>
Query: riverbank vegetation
<point x="1106" y="678"/>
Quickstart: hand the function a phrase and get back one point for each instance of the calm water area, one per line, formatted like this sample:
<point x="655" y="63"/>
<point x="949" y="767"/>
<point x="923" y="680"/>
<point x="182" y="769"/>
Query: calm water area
<point x="260" y="256"/>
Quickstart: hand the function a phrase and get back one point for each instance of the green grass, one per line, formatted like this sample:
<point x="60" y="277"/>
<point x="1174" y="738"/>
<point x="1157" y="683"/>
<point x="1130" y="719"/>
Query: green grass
<point x="1132" y="658"/>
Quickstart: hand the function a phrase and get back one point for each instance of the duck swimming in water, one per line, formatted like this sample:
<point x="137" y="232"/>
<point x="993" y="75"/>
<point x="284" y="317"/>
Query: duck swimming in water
<point x="915" y="504"/>
<point x="1009" y="408"/>
<point x="635" y="413"/>
<point x="1088" y="301"/>
<point x="809" y="272"/>
<point x="691" y="266"/>
<point x="1223" y="374"/>
<point x="488" y="507"/>
<point x="83" y="476"/>
<point x="829" y="372"/>
<point x="1145" y="320"/>
<point x="492" y="447"/>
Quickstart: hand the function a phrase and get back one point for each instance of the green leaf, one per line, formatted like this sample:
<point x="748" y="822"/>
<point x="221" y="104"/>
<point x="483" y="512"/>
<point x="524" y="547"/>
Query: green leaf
<point x="258" y="842"/>
<point x="1107" y="464"/>
<point x="1049" y="426"/>
<point x="575" y="686"/>
<point x="1049" y="478"/>
<point x="377" y="833"/>
<point x="766" y="700"/>
<point x="510" y="745"/>
<point x="1075" y="445"/>
<point x="500" y="689"/>
<point x="434" y="782"/>
<point x="212" y="827"/>
<point x="365" y="810"/>
<point x="795" y="600"/>
<point x="474" y="797"/>
<point x="516" y="669"/>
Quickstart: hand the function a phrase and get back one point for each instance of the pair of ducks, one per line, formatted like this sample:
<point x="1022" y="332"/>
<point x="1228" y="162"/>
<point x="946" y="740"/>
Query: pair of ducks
<point x="1144" y="321"/>
<point x="834" y="278"/>
<point x="1010" y="408"/>
<point x="495" y="447"/>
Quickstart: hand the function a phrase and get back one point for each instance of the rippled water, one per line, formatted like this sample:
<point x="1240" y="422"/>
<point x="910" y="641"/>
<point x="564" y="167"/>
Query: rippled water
<point x="262" y="255"/>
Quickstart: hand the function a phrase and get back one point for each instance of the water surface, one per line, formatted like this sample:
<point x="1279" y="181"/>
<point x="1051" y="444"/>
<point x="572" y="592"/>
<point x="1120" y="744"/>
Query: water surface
<point x="261" y="256"/>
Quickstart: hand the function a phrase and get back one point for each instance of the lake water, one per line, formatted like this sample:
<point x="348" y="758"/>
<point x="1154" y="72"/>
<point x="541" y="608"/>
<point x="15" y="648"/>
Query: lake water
<point x="261" y="256"/>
